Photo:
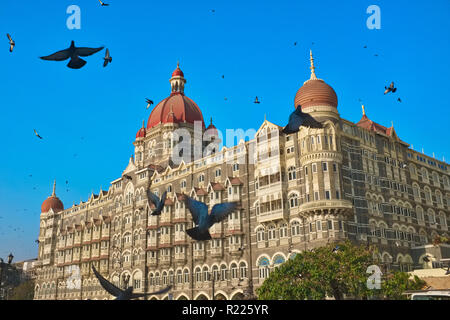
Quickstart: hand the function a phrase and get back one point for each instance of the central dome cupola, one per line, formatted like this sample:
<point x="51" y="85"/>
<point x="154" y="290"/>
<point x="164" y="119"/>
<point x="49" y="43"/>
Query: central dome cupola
<point x="177" y="81"/>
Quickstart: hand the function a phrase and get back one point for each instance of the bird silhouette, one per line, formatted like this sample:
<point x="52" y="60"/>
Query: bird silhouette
<point x="223" y="76"/>
<point x="225" y="98"/>
<point x="126" y="294"/>
<point x="256" y="100"/>
<point x="159" y="203"/>
<point x="103" y="4"/>
<point x="399" y="100"/>
<point x="365" y="47"/>
<point x="37" y="135"/>
<point x="74" y="53"/>
<point x="11" y="42"/>
<point x="297" y="119"/>
<point x="149" y="102"/>
<point x="107" y="58"/>
<point x="295" y="43"/>
<point x="203" y="220"/>
<point x="390" y="89"/>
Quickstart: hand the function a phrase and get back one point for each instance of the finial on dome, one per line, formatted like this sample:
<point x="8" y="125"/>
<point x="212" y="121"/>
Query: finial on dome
<point x="178" y="64"/>
<point x="363" y="110"/>
<point x="313" y="73"/>
<point x="392" y="124"/>
<point x="54" y="188"/>
<point x="143" y="123"/>
<point x="211" y="120"/>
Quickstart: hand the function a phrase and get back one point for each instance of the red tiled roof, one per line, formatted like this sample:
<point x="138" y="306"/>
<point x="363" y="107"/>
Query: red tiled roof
<point x="200" y="191"/>
<point x="368" y="124"/>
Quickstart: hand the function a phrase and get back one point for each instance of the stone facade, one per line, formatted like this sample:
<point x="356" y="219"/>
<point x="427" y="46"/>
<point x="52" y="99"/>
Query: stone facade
<point x="347" y="180"/>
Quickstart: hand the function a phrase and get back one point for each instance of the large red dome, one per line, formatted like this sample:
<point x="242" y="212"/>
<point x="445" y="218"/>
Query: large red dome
<point x="176" y="108"/>
<point x="315" y="92"/>
<point x="52" y="202"/>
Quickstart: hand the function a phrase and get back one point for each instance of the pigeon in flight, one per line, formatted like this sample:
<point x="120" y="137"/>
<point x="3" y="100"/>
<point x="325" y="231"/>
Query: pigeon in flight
<point x="103" y="4"/>
<point x="365" y="47"/>
<point x="203" y="220"/>
<point x="399" y="100"/>
<point x="37" y="241"/>
<point x="107" y="58"/>
<point x="159" y="203"/>
<point x="376" y="55"/>
<point x="225" y="98"/>
<point x="223" y="76"/>
<point x="295" y="43"/>
<point x="126" y="294"/>
<point x="390" y="89"/>
<point x="256" y="100"/>
<point x="11" y="42"/>
<point x="74" y="54"/>
<point x="149" y="102"/>
<point x="37" y="135"/>
<point x="297" y="119"/>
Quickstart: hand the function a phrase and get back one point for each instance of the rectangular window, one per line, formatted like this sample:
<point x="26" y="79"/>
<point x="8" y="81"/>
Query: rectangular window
<point x="334" y="167"/>
<point x="306" y="171"/>
<point x="324" y="166"/>
<point x="337" y="195"/>
<point x="318" y="225"/>
<point x="327" y="195"/>
<point x="330" y="225"/>
<point x="314" y="168"/>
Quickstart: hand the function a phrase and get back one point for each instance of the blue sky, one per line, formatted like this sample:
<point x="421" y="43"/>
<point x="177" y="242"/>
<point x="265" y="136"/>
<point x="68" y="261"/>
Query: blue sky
<point x="89" y="117"/>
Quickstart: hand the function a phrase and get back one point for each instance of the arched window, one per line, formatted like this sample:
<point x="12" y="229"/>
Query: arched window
<point x="271" y="233"/>
<point x="186" y="275"/>
<point x="263" y="266"/>
<point x="198" y="274"/>
<point x="243" y="270"/>
<point x="277" y="260"/>
<point x="293" y="200"/>
<point x="205" y="273"/>
<point x="292" y="174"/>
<point x="283" y="230"/>
<point x="234" y="271"/>
<point x="223" y="272"/>
<point x="260" y="234"/>
<point x="295" y="228"/>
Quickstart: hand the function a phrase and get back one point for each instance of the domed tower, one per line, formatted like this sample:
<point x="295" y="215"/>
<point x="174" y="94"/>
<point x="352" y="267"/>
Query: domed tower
<point x="320" y="156"/>
<point x="317" y="98"/>
<point x="50" y="218"/>
<point x="175" y="118"/>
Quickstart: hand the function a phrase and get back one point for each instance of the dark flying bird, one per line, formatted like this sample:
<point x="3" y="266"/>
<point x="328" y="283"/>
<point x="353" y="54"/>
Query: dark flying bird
<point x="103" y="4"/>
<point x="107" y="58"/>
<point x="376" y="55"/>
<point x="203" y="220"/>
<point x="223" y="76"/>
<point x="67" y="182"/>
<point x="11" y="42"/>
<point x="74" y="53"/>
<point x="149" y="102"/>
<point x="37" y="241"/>
<point x="365" y="47"/>
<point x="126" y="294"/>
<point x="213" y="10"/>
<point x="399" y="100"/>
<point x="225" y="98"/>
<point x="256" y="100"/>
<point x="390" y="89"/>
<point x="37" y="135"/>
<point x="295" y="43"/>
<point x="426" y="259"/>
<point x="297" y="119"/>
<point x="159" y="203"/>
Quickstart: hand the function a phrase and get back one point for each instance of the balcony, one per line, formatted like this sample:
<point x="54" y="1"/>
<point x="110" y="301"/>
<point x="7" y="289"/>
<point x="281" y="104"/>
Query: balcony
<point x="217" y="252"/>
<point x="272" y="215"/>
<point x="153" y="261"/>
<point x="199" y="254"/>
<point x="165" y="260"/>
<point x="327" y="206"/>
<point x="180" y="257"/>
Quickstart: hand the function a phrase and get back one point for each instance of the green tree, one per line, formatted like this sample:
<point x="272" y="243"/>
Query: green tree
<point x="24" y="291"/>
<point x="399" y="282"/>
<point x="325" y="273"/>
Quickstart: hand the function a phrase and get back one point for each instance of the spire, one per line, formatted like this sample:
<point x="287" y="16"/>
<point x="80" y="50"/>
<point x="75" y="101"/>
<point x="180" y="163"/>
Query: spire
<point x="363" y="110"/>
<point x="54" y="188"/>
<point x="313" y="73"/>
<point x="143" y="123"/>
<point x="211" y="120"/>
<point x="178" y="63"/>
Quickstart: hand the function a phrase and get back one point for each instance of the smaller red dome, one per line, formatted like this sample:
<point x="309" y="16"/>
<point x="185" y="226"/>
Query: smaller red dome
<point x="177" y="72"/>
<point x="141" y="133"/>
<point x="52" y="202"/>
<point x="212" y="130"/>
